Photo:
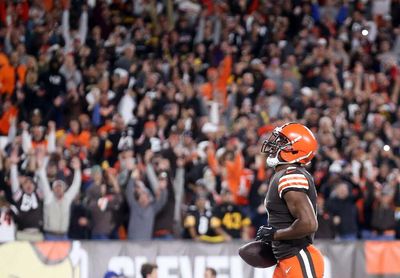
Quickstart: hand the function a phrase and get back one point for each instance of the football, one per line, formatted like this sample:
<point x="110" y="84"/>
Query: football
<point x="258" y="254"/>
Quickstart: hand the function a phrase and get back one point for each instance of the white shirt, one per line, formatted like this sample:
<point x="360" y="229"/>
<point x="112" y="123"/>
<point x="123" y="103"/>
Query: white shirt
<point x="7" y="225"/>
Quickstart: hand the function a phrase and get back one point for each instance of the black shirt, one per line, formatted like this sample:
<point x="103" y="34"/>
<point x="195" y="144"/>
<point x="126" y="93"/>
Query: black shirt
<point x="200" y="220"/>
<point x="30" y="211"/>
<point x="231" y="218"/>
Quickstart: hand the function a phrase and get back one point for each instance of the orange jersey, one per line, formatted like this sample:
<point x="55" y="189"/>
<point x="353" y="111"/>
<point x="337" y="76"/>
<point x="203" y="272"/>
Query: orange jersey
<point x="5" y="119"/>
<point x="81" y="139"/>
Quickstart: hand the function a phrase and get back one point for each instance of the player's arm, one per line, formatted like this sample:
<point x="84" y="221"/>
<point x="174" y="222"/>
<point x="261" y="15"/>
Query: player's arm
<point x="301" y="208"/>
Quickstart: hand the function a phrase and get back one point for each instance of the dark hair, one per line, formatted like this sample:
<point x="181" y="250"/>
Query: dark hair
<point x="212" y="270"/>
<point x="147" y="268"/>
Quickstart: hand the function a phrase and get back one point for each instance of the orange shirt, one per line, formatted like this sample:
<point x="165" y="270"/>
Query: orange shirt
<point x="81" y="139"/>
<point x="233" y="173"/>
<point x="48" y="5"/>
<point x="5" y="119"/>
<point x="220" y="86"/>
<point x="7" y="76"/>
<point x="105" y="129"/>
<point x="212" y="161"/>
<point x="246" y="180"/>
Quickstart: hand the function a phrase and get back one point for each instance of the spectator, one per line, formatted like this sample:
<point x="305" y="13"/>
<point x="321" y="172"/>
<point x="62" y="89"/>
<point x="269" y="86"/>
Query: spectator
<point x="257" y="207"/>
<point x="229" y="221"/>
<point x="28" y="201"/>
<point x="7" y="222"/>
<point x="76" y="136"/>
<point x="149" y="270"/>
<point x="341" y="206"/>
<point x="210" y="273"/>
<point x="104" y="202"/>
<point x="57" y="202"/>
<point x="74" y="38"/>
<point x="197" y="222"/>
<point x="143" y="207"/>
<point x="80" y="222"/>
<point x="326" y="227"/>
<point x="383" y="217"/>
<point x="165" y="225"/>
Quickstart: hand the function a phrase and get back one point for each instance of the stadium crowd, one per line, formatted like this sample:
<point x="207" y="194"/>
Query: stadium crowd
<point x="143" y="119"/>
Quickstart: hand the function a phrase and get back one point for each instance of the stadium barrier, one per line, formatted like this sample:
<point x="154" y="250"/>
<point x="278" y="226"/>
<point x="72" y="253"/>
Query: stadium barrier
<point x="184" y="259"/>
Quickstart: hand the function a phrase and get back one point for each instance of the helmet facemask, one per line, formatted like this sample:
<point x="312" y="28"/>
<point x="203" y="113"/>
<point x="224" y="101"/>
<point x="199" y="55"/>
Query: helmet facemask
<point x="272" y="147"/>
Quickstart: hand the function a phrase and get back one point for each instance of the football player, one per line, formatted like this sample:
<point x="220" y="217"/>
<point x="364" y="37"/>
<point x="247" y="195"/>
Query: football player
<point x="291" y="203"/>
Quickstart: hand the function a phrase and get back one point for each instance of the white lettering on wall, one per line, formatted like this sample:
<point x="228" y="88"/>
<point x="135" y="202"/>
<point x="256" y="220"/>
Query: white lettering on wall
<point x="139" y="261"/>
<point x="122" y="265"/>
<point x="220" y="264"/>
<point x="236" y="267"/>
<point x="167" y="264"/>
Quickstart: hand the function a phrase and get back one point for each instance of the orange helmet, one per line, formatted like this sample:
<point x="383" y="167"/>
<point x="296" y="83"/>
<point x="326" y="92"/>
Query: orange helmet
<point x="290" y="143"/>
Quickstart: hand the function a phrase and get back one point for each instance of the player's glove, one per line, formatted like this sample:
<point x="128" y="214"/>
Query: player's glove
<point x="265" y="233"/>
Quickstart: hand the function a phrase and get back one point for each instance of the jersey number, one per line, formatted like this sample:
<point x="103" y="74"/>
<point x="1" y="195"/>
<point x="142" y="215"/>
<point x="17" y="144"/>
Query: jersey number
<point x="203" y="225"/>
<point x="232" y="220"/>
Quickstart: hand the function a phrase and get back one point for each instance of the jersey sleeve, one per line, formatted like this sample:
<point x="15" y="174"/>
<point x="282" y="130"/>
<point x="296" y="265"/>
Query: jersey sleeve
<point x="216" y="219"/>
<point x="292" y="180"/>
<point x="190" y="219"/>
<point x="246" y="221"/>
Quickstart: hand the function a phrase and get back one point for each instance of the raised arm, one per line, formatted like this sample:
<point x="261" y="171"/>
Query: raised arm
<point x="83" y="25"/>
<point x="65" y="28"/>
<point x="161" y="200"/>
<point x="43" y="184"/>
<point x="150" y="173"/>
<point x="200" y="30"/>
<point x="178" y="188"/>
<point x="217" y="30"/>
<point x="76" y="183"/>
<point x="26" y="138"/>
<point x="15" y="186"/>
<point x="129" y="193"/>
<point x="12" y="132"/>
<point x="51" y="137"/>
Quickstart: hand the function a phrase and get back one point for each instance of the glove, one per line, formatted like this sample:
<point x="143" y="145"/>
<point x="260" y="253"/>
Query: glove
<point x="266" y="233"/>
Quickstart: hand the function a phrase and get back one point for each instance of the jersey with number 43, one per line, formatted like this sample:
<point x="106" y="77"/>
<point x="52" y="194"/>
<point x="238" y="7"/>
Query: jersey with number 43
<point x="294" y="178"/>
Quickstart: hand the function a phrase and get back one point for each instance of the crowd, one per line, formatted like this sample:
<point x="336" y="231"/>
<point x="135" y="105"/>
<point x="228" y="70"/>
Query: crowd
<point x="143" y="119"/>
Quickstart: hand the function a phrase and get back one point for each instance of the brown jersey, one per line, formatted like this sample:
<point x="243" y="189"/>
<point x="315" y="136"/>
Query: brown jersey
<point x="294" y="178"/>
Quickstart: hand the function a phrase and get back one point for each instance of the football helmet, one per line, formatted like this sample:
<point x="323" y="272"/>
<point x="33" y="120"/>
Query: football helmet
<point x="290" y="143"/>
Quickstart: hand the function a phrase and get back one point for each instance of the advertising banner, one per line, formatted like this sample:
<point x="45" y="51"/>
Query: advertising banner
<point x="181" y="259"/>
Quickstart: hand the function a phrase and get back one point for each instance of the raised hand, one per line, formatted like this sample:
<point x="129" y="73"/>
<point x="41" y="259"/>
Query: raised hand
<point x="75" y="163"/>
